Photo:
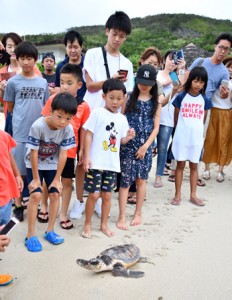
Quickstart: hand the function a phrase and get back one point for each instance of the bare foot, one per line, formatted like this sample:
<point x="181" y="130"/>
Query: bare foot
<point x="121" y="224"/>
<point x="136" y="221"/>
<point x="86" y="233"/>
<point x="107" y="231"/>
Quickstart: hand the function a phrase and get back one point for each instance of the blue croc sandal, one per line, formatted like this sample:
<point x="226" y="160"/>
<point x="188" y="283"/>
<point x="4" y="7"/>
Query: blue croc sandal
<point x="53" y="238"/>
<point x="33" y="244"/>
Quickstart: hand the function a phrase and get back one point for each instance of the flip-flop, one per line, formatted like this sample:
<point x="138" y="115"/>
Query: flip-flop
<point x="197" y="202"/>
<point x="64" y="225"/>
<point x="45" y="215"/>
<point x="200" y="182"/>
<point x="25" y="202"/>
<point x="5" y="279"/>
<point x="175" y="201"/>
<point x="171" y="178"/>
<point x="131" y="200"/>
<point x="158" y="184"/>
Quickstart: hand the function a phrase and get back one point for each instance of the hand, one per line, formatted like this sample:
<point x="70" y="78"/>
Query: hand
<point x="52" y="90"/>
<point x="130" y="134"/>
<point x="33" y="185"/>
<point x="3" y="86"/>
<point x="20" y="183"/>
<point x="224" y="92"/>
<point x="120" y="77"/>
<point x="141" y="152"/>
<point x="4" y="241"/>
<point x="56" y="184"/>
<point x="181" y="64"/>
<point x="87" y="164"/>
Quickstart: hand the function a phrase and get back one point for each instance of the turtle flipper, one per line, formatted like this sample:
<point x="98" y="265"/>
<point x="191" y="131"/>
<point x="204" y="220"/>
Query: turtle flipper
<point x="123" y="272"/>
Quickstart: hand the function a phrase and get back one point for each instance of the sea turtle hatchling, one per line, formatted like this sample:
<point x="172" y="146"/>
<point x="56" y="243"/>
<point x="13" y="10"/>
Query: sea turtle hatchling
<point x="116" y="259"/>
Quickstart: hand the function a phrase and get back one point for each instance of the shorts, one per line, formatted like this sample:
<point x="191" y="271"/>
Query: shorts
<point x="19" y="153"/>
<point x="69" y="168"/>
<point x="47" y="175"/>
<point x="99" y="180"/>
<point x="5" y="213"/>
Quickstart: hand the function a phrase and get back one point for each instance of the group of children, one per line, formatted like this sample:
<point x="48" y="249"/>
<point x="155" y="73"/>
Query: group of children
<point x="116" y="136"/>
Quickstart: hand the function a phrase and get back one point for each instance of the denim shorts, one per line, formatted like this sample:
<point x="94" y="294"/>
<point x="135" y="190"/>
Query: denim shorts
<point x="47" y="175"/>
<point x="5" y="213"/>
<point x="99" y="180"/>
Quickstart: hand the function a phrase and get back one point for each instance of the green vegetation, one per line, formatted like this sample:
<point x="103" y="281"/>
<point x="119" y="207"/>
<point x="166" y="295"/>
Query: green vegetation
<point x="164" y="31"/>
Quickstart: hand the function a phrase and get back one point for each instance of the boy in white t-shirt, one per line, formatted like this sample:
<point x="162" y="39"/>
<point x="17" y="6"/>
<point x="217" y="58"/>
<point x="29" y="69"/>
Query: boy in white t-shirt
<point x="106" y="129"/>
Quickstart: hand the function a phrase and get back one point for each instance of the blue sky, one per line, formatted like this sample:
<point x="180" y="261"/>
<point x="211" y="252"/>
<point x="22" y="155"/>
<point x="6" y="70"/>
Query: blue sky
<point x="52" y="16"/>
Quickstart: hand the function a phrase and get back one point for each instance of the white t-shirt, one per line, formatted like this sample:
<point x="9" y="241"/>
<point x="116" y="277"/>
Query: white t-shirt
<point x="167" y="111"/>
<point x="48" y="142"/>
<point x="108" y="129"/>
<point x="222" y="103"/>
<point x="94" y="65"/>
<point x="188" y="139"/>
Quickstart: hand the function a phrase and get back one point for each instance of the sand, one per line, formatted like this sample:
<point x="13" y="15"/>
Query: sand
<point x="188" y="250"/>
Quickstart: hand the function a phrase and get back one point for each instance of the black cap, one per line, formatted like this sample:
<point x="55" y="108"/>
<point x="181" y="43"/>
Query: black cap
<point x="146" y="75"/>
<point x="49" y="54"/>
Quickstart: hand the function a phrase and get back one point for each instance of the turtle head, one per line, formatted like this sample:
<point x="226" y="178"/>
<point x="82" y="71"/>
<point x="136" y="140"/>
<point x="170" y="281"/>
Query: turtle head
<point x="94" y="264"/>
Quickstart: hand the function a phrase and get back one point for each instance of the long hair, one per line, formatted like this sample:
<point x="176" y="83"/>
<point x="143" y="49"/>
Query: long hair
<point x="198" y="73"/>
<point x="132" y="105"/>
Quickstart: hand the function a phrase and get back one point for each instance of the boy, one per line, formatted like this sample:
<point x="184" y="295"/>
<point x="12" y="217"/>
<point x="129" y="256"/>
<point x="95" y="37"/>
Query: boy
<point x="26" y="95"/>
<point x="48" y="62"/>
<point x="71" y="82"/>
<point x="117" y="28"/>
<point x="106" y="129"/>
<point x="48" y="141"/>
<point x="73" y="42"/>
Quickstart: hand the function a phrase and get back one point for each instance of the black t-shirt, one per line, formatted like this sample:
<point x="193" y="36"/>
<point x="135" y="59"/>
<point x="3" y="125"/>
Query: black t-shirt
<point x="50" y="79"/>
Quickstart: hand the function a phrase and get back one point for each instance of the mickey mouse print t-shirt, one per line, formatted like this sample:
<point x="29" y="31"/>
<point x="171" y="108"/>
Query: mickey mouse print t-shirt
<point x="188" y="138"/>
<point x="108" y="129"/>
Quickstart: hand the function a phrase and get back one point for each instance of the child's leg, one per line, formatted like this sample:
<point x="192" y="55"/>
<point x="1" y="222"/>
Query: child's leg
<point x="32" y="210"/>
<point x="79" y="180"/>
<point x="123" y="194"/>
<point x="66" y="197"/>
<point x="178" y="181"/>
<point x="53" y="210"/>
<point x="89" y="209"/>
<point x="106" y="205"/>
<point x="193" y="184"/>
<point x="140" y="195"/>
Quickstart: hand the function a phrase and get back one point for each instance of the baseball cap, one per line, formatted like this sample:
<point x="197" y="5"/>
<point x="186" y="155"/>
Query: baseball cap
<point x="146" y="75"/>
<point x="49" y="54"/>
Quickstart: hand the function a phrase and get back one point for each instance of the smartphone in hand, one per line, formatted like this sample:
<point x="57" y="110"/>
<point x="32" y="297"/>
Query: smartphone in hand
<point x="4" y="57"/>
<point x="9" y="226"/>
<point x="174" y="78"/>
<point x="225" y="83"/>
<point x="123" y="73"/>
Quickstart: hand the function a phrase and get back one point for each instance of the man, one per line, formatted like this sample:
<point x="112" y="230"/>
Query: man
<point x="73" y="42"/>
<point x="48" y="63"/>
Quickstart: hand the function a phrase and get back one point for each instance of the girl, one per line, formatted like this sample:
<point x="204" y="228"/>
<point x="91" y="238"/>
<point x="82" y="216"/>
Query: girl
<point x="143" y="114"/>
<point x="190" y="113"/>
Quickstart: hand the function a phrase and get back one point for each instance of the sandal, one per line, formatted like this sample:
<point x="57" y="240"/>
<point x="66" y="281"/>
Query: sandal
<point x="171" y="178"/>
<point x="64" y="225"/>
<point x="197" y="202"/>
<point x="5" y="279"/>
<point x="25" y="202"/>
<point x="200" y="182"/>
<point x="154" y="151"/>
<point x="220" y="177"/>
<point x="158" y="184"/>
<point x="43" y="217"/>
<point x="175" y="201"/>
<point x="131" y="200"/>
<point x="206" y="175"/>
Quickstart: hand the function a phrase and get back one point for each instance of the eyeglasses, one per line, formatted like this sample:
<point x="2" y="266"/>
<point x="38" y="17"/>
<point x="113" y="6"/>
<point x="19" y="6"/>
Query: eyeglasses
<point x="222" y="48"/>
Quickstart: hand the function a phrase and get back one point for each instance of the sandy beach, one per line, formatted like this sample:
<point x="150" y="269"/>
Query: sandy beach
<point x="188" y="250"/>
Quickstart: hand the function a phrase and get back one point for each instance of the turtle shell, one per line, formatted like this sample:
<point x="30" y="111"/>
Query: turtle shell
<point x="127" y="254"/>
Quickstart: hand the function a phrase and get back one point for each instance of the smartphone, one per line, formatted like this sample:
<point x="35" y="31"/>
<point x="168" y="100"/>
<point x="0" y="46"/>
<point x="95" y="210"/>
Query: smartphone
<point x="174" y="78"/>
<point x="180" y="54"/>
<point x="123" y="73"/>
<point x="225" y="83"/>
<point x="9" y="226"/>
<point x="7" y="75"/>
<point x="4" y="57"/>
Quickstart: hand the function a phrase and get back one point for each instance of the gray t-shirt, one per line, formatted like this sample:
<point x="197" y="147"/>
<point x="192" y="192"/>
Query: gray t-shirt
<point x="29" y="96"/>
<point x="216" y="72"/>
<point x="48" y="142"/>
